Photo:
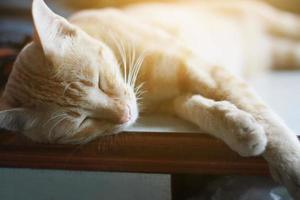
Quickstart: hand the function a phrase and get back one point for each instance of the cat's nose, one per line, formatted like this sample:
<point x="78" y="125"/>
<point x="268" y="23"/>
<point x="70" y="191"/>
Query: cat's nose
<point x="125" y="116"/>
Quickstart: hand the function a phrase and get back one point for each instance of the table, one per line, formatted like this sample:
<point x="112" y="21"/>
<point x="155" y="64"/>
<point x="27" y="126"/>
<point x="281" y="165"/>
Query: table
<point x="159" y="144"/>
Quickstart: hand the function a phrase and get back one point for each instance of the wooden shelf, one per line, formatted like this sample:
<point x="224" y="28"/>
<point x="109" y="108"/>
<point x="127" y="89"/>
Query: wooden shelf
<point x="132" y="152"/>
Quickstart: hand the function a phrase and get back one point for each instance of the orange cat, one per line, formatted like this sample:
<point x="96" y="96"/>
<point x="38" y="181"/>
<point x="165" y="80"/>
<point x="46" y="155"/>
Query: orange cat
<point x="82" y="78"/>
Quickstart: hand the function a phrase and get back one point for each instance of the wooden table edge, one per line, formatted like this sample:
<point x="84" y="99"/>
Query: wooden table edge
<point x="183" y="153"/>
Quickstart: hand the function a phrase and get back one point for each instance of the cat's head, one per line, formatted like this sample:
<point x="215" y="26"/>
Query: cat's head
<point x="65" y="86"/>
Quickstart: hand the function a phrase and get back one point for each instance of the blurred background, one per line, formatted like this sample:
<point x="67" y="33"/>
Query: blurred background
<point x="16" y="23"/>
<point x="290" y="5"/>
<point x="15" y="184"/>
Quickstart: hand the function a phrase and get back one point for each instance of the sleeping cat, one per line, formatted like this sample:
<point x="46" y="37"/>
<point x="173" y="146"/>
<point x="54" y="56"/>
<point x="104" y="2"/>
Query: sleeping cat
<point x="86" y="77"/>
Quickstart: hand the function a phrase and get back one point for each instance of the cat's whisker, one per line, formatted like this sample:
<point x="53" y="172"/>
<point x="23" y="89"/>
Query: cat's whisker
<point x="131" y="58"/>
<point x="59" y="115"/>
<point x="132" y="74"/>
<point x="136" y="89"/>
<point x="133" y="61"/>
<point x="124" y="59"/>
<point x="140" y="93"/>
<point x="136" y="68"/>
<point x="121" y="49"/>
<point x="139" y="97"/>
<point x="139" y="87"/>
<point x="138" y="65"/>
<point x="54" y="117"/>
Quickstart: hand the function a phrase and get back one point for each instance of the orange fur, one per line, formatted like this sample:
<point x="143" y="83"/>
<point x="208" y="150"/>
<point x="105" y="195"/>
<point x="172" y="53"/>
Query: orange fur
<point x="80" y="79"/>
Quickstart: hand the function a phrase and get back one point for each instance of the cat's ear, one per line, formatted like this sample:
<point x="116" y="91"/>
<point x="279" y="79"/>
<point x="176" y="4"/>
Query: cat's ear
<point x="52" y="31"/>
<point x="15" y="119"/>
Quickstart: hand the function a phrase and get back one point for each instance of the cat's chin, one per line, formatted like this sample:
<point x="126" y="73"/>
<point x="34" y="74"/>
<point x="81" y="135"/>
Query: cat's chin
<point x="129" y="121"/>
<point x="121" y="127"/>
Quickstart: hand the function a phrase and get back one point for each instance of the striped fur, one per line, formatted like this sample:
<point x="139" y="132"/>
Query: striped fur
<point x="87" y="77"/>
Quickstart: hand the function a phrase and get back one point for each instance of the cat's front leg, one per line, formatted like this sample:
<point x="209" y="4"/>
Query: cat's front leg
<point x="283" y="156"/>
<point x="238" y="129"/>
<point x="283" y="148"/>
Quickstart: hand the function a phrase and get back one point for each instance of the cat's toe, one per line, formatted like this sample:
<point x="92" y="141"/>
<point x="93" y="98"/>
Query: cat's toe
<point x="251" y="139"/>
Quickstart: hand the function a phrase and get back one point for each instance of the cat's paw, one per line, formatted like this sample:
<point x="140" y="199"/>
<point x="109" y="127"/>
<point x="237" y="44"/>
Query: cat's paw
<point x="248" y="136"/>
<point x="288" y="174"/>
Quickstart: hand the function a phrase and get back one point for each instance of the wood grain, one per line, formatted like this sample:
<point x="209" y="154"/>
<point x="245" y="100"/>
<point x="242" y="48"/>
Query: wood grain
<point x="132" y="152"/>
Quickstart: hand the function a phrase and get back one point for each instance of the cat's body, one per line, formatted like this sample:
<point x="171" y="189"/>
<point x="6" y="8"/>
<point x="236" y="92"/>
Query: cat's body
<point x="236" y="36"/>
<point x="67" y="85"/>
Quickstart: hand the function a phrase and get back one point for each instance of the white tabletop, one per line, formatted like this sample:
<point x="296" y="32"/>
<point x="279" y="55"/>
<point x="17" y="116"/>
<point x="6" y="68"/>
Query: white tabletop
<point x="281" y="90"/>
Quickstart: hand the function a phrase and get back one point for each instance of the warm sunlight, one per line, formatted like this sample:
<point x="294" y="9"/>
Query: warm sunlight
<point x="149" y="99"/>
